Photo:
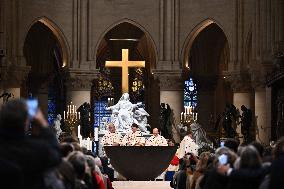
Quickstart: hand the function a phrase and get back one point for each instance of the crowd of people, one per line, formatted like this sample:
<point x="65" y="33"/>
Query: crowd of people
<point x="233" y="166"/>
<point x="32" y="158"/>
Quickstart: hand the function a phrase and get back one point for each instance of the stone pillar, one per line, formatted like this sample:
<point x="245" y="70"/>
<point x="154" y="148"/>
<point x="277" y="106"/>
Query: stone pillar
<point x="261" y="112"/>
<point x="171" y="92"/>
<point x="79" y="86"/>
<point x="42" y="96"/>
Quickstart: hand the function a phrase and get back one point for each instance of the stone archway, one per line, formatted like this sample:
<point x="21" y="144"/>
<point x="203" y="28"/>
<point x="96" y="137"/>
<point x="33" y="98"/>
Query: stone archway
<point x="206" y="56"/>
<point x="47" y="55"/>
<point x="130" y="35"/>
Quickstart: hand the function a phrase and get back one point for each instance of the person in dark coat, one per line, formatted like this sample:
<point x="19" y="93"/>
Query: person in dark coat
<point x="31" y="155"/>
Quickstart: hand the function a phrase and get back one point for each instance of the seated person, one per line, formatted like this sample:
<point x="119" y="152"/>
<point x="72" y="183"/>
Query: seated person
<point x="112" y="138"/>
<point x="156" y="139"/>
<point x="133" y="138"/>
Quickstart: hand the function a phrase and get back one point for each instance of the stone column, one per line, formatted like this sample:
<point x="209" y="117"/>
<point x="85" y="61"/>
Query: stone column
<point x="171" y="92"/>
<point x="42" y="96"/>
<point x="262" y="104"/>
<point x="261" y="112"/>
<point x="79" y="85"/>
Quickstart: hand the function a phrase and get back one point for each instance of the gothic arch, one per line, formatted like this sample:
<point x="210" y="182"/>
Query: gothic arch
<point x="191" y="37"/>
<point x="58" y="34"/>
<point x="134" y="23"/>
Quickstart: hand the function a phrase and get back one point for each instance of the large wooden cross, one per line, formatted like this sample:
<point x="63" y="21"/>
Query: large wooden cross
<point x="125" y="64"/>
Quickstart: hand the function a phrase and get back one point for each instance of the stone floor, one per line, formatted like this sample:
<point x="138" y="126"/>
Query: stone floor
<point x="141" y="185"/>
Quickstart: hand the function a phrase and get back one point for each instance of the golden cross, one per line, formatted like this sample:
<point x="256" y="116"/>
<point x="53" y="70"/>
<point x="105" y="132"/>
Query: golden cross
<point x="125" y="64"/>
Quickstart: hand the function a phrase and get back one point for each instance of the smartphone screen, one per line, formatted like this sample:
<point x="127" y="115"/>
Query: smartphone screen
<point x="223" y="159"/>
<point x="32" y="105"/>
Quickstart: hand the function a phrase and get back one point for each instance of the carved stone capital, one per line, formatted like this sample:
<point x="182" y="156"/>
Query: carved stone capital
<point x="169" y="80"/>
<point x="259" y="73"/>
<point x="78" y="80"/>
<point x="239" y="82"/>
<point x="13" y="76"/>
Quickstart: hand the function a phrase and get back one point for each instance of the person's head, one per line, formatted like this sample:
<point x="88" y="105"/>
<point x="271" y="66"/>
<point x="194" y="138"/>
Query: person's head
<point x="171" y="142"/>
<point x="250" y="158"/>
<point x="259" y="147"/>
<point x="134" y="127"/>
<point x="98" y="162"/>
<point x="78" y="161"/>
<point x="155" y="132"/>
<point x="91" y="162"/>
<point x="279" y="148"/>
<point x="104" y="161"/>
<point x="66" y="148"/>
<point x="14" y="117"/>
<point x="189" y="133"/>
<point x="202" y="163"/>
<point x="111" y="128"/>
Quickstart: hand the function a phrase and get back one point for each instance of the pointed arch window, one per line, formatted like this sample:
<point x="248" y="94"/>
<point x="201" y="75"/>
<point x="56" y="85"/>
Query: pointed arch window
<point x="190" y="93"/>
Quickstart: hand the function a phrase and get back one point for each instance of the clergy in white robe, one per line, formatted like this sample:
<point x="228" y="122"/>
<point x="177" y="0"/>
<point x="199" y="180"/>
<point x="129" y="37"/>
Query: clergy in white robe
<point x="111" y="138"/>
<point x="156" y="139"/>
<point x="188" y="145"/>
<point x="133" y="138"/>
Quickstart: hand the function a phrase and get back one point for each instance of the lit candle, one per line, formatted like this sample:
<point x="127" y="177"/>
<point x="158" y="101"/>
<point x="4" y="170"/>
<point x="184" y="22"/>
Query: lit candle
<point x="79" y="115"/>
<point x="79" y="133"/>
<point x="96" y="134"/>
<point x="181" y="116"/>
<point x="196" y="117"/>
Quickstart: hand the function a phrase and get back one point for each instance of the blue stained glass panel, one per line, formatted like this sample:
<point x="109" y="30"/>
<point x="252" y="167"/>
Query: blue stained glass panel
<point x="51" y="106"/>
<point x="101" y="115"/>
<point x="190" y="93"/>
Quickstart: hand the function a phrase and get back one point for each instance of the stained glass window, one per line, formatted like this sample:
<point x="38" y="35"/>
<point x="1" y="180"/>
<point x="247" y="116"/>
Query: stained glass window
<point x="190" y="93"/>
<point x="137" y="87"/>
<point x="101" y="115"/>
<point x="51" y="106"/>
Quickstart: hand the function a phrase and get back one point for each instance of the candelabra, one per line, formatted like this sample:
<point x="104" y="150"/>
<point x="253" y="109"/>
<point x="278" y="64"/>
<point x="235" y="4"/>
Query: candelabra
<point x="189" y="115"/>
<point x="71" y="118"/>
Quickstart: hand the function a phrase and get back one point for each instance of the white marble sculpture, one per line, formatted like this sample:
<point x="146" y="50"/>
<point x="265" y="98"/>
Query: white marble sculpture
<point x="56" y="126"/>
<point x="199" y="134"/>
<point x="124" y="113"/>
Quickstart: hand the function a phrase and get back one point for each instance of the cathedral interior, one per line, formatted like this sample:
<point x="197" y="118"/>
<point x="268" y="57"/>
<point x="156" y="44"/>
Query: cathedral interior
<point x="203" y="54"/>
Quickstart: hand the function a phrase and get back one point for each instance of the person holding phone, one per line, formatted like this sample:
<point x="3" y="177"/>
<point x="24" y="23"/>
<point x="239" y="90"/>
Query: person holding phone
<point x="32" y="155"/>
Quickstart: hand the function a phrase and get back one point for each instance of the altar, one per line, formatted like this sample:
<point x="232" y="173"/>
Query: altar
<point x="140" y="163"/>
